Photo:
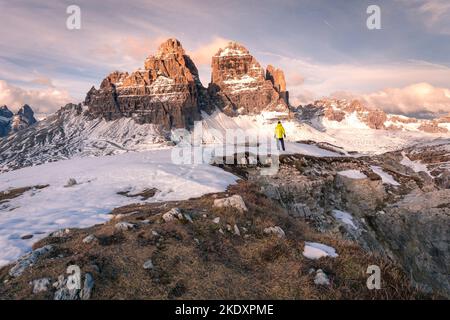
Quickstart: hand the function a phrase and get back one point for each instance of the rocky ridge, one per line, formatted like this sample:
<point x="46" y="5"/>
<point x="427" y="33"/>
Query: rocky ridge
<point x="350" y="112"/>
<point x="74" y="131"/>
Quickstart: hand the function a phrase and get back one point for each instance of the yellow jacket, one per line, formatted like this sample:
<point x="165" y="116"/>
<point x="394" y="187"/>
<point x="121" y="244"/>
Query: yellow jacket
<point x="279" y="131"/>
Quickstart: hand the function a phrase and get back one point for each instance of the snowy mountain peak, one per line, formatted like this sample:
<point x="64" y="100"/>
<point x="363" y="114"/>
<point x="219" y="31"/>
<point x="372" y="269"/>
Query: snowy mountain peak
<point x="10" y="122"/>
<point x="232" y="49"/>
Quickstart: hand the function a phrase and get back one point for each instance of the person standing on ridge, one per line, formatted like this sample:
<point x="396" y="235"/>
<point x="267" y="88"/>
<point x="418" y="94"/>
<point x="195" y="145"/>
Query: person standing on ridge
<point x="280" y="134"/>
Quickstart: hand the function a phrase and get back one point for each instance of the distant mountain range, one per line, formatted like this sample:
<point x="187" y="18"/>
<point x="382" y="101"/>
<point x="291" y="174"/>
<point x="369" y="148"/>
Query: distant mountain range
<point x="138" y="111"/>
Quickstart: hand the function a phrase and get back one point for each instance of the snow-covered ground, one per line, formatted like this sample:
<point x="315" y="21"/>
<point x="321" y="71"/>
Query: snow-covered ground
<point x="351" y="134"/>
<point x="345" y="217"/>
<point x="416" y="166"/>
<point x="39" y="212"/>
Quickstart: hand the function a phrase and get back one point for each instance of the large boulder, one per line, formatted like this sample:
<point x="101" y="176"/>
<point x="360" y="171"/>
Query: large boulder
<point x="416" y="232"/>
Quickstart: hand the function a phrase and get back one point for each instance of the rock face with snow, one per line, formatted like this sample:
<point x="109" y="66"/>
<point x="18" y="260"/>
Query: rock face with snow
<point x="388" y="205"/>
<point x="23" y="119"/>
<point x="73" y="131"/>
<point x="338" y="110"/>
<point x="11" y="123"/>
<point x="355" y="114"/>
<point x="167" y="92"/>
<point x="239" y="84"/>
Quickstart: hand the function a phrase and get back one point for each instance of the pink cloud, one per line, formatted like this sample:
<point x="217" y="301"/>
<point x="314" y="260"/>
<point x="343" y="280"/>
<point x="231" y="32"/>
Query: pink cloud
<point x="42" y="101"/>
<point x="204" y="53"/>
<point x="418" y="98"/>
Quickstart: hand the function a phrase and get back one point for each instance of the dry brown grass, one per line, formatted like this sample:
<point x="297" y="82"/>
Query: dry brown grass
<point x="196" y="261"/>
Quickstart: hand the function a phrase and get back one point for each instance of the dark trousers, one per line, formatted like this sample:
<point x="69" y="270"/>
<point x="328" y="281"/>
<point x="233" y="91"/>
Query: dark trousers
<point x="280" y="141"/>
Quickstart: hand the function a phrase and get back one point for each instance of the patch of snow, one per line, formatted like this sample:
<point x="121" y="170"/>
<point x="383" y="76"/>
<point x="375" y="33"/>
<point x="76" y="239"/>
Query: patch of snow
<point x="314" y="250"/>
<point x="245" y="79"/>
<point x="352" y="174"/>
<point x="350" y="121"/>
<point x="88" y="203"/>
<point x="385" y="177"/>
<point x="345" y="217"/>
<point x="228" y="52"/>
<point x="215" y="130"/>
<point x="416" y="166"/>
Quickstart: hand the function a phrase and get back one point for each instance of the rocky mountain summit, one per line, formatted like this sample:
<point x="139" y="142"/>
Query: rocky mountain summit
<point x="241" y="86"/>
<point x="11" y="123"/>
<point x="166" y="92"/>
<point x="355" y="113"/>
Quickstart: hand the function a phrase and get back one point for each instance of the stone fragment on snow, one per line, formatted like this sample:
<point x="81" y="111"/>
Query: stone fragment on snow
<point x="124" y="226"/>
<point x="321" y="279"/>
<point x="40" y="285"/>
<point x="276" y="230"/>
<point x="27" y="260"/>
<point x="70" y="183"/>
<point x="314" y="250"/>
<point x="234" y="201"/>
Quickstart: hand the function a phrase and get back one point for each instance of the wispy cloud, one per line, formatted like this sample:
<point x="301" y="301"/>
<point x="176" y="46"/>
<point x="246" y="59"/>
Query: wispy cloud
<point x="434" y="14"/>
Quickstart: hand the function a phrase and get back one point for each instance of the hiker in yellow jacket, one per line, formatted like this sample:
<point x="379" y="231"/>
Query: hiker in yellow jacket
<point x="280" y="134"/>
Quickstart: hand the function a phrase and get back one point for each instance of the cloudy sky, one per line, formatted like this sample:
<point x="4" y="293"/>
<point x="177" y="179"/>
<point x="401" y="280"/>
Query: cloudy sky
<point x="324" y="47"/>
